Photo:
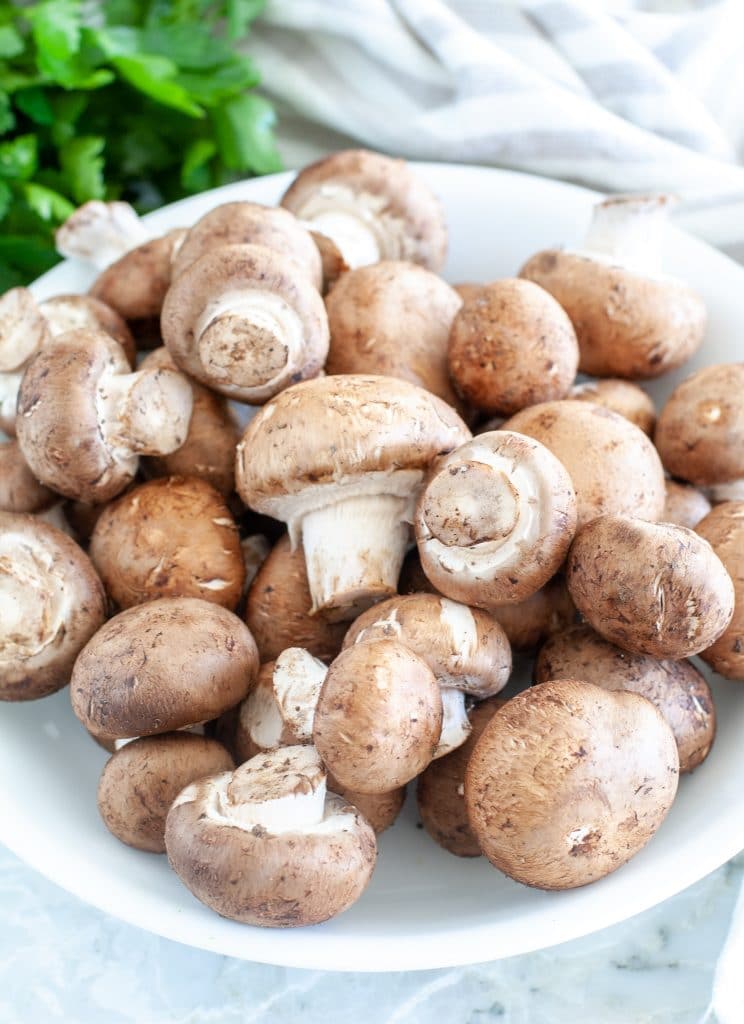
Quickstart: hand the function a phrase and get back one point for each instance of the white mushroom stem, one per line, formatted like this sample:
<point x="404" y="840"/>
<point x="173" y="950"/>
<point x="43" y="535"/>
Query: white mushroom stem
<point x="34" y="604"/>
<point x="297" y="681"/>
<point x="10" y="384"/>
<point x="354" y="550"/>
<point x="731" y="491"/>
<point x="261" y="718"/>
<point x="629" y="230"/>
<point x="100" y="233"/>
<point x="22" y="329"/>
<point x="455" y="722"/>
<point x="144" y="413"/>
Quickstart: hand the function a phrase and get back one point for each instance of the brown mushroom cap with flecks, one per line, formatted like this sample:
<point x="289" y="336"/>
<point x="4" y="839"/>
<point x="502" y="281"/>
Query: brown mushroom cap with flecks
<point x="723" y="529"/>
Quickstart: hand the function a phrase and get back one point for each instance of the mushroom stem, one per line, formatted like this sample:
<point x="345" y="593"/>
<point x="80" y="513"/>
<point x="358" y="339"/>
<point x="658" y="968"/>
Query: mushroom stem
<point x="349" y="219"/>
<point x="145" y="413"/>
<point x="9" y="386"/>
<point x="629" y="230"/>
<point x="354" y="551"/>
<point x="100" y="233"/>
<point x="455" y="722"/>
<point x="731" y="491"/>
<point x="22" y="329"/>
<point x="298" y="678"/>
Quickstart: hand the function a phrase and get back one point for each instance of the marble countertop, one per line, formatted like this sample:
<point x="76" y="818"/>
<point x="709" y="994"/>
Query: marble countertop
<point x="61" y="960"/>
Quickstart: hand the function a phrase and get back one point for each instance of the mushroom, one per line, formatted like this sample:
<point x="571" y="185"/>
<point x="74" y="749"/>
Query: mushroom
<point x="255" y="550"/>
<point x="621" y="396"/>
<point x="528" y="623"/>
<point x="372" y="207"/>
<point x="676" y="688"/>
<point x="379" y="716"/>
<point x="334" y="265"/>
<point x="380" y="810"/>
<point x="511" y="346"/>
<point x="267" y="845"/>
<point x="685" y="505"/>
<point x="245" y="223"/>
<point x="723" y="529"/>
<point x="84" y="418"/>
<point x="347" y="484"/>
<point x="631" y="320"/>
<point x="393" y="318"/>
<point x="569" y="781"/>
<point x="142" y="779"/>
<point x="700" y="433"/>
<point x="495" y="519"/>
<point x="277" y="609"/>
<point x="245" y="321"/>
<point x="172" y="537"/>
<point x="440" y="790"/>
<point x="52" y="603"/>
<point x="99" y="233"/>
<point x="162" y="665"/>
<point x="650" y="588"/>
<point x="20" y="491"/>
<point x="468" y="290"/>
<point x="612" y="464"/>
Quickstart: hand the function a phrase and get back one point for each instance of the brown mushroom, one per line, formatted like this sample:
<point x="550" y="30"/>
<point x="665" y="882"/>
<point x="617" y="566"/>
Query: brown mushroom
<point x="334" y="265"/>
<point x="621" y="396"/>
<point x="527" y="623"/>
<point x="676" y="688"/>
<point x="631" y="321"/>
<point x="141" y="780"/>
<point x="467" y="290"/>
<point x="136" y="284"/>
<point x="511" y="346"/>
<point x="372" y="207"/>
<point x="52" y="602"/>
<point x="163" y="665"/>
<point x="380" y="810"/>
<point x="99" y="233"/>
<point x="650" y="588"/>
<point x="723" y="528"/>
<point x="685" y="505"/>
<point x="173" y="537"/>
<point x="568" y="781"/>
<point x="613" y="465"/>
<point x="20" y="491"/>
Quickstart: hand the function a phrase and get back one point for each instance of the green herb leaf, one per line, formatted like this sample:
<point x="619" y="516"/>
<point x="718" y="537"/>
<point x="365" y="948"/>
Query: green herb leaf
<point x="154" y="76"/>
<point x="32" y="254"/>
<point x="82" y="165"/>
<point x="55" y="26"/>
<point x="67" y="107"/>
<point x="244" y="131"/>
<point x="34" y="103"/>
<point x="6" y="197"/>
<point x="195" y="170"/>
<point x="18" y="157"/>
<point x="240" y="13"/>
<point x="11" y="42"/>
<point x="7" y="117"/>
<point x="46" y="203"/>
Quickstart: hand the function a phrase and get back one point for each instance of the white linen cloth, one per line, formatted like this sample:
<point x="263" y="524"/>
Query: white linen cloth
<point x="631" y="95"/>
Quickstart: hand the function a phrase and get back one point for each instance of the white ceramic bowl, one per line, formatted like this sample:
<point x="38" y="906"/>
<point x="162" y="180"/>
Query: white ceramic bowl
<point x="424" y="907"/>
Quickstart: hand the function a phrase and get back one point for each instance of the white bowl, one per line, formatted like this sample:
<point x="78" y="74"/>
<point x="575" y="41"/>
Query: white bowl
<point x="424" y="907"/>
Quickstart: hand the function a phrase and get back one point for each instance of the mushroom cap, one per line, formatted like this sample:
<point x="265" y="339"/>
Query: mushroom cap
<point x="65" y="313"/>
<point x="614" y="467"/>
<point x="173" y="537"/>
<point x="51" y="603"/>
<point x="334" y="265"/>
<point x="20" y="491"/>
<point x="250" y="369"/>
<point x="379" y="716"/>
<point x="135" y="285"/>
<point x="495" y="519"/>
<point x="22" y="329"/>
<point x="399" y="214"/>
<point x="527" y="623"/>
<point x="369" y="435"/>
<point x="723" y="529"/>
<point x="627" y="324"/>
<point x="277" y="609"/>
<point x="380" y="810"/>
<point x="685" y="505"/>
<point x="621" y="396"/>
<point x="676" y="688"/>
<point x="244" y="223"/>
<point x="142" y="779"/>
<point x="464" y="647"/>
<point x="650" y="588"/>
<point x="700" y="432"/>
<point x="511" y="346"/>
<point x="209" y="449"/>
<point x="278" y="875"/>
<point x="440" y="789"/>
<point x="393" y="318"/>
<point x="568" y="781"/>
<point x="161" y="666"/>
<point x="468" y="290"/>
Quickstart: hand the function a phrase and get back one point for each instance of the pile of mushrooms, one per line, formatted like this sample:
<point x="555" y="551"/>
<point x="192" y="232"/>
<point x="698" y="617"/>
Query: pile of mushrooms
<point x="274" y="630"/>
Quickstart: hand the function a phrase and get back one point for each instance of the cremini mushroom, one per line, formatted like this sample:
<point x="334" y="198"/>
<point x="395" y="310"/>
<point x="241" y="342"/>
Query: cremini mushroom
<point x="268" y="845"/>
<point x="676" y="687"/>
<point x="255" y="550"/>
<point x="621" y="396"/>
<point x="468" y="290"/>
<point x="51" y="604"/>
<point x="141" y="780"/>
<point x="631" y="320"/>
<point x="245" y="321"/>
<point x="393" y="318"/>
<point x="650" y="588"/>
<point x="84" y="418"/>
<point x="379" y="716"/>
<point x="172" y="537"/>
<point x="685" y="505"/>
<point x="380" y="810"/>
<point x="99" y="233"/>
<point x="495" y="519"/>
<point x="244" y="223"/>
<point x="163" y="665"/>
<point x="20" y="491"/>
<point x="440" y="790"/>
<point x="372" y="207"/>
<point x="612" y="464"/>
<point x="333" y="263"/>
<point x="136" y="284"/>
<point x="511" y="346"/>
<point x="568" y="781"/>
<point x="527" y="623"/>
<point x="723" y="528"/>
<point x="347" y="484"/>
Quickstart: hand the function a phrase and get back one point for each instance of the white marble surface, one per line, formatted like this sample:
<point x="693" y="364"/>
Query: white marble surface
<point x="61" y="960"/>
